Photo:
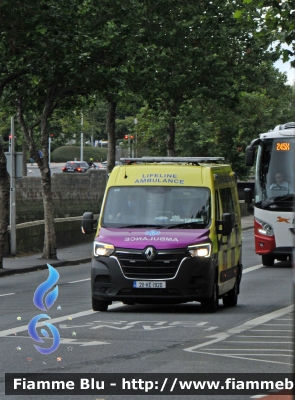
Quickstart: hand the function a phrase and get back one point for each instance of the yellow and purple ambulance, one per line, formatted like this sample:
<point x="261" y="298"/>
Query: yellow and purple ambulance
<point x="169" y="231"/>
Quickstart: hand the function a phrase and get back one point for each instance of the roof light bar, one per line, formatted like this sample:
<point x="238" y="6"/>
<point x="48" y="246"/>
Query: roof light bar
<point x="192" y="160"/>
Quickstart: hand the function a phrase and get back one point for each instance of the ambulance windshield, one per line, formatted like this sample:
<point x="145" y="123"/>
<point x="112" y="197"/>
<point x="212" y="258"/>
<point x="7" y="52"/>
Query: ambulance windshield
<point x="157" y="206"/>
<point x="274" y="187"/>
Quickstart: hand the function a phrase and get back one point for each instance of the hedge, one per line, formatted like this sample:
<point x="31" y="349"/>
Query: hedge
<point x="69" y="153"/>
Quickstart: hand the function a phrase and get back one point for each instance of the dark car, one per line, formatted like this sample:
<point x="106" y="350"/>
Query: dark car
<point x="76" y="166"/>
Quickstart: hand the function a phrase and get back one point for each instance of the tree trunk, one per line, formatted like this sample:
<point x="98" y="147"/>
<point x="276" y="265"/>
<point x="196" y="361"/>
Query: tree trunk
<point x="4" y="202"/>
<point x="111" y="131"/>
<point x="49" y="250"/>
<point x="171" y="137"/>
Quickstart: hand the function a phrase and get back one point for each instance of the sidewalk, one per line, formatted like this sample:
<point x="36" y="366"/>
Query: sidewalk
<point x="71" y="255"/>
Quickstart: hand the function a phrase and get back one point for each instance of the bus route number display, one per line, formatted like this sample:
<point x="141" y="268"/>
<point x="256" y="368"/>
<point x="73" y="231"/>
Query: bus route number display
<point x="283" y="146"/>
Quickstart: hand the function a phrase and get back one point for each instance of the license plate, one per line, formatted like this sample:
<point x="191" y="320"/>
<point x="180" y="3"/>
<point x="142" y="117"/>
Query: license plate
<point x="149" y="285"/>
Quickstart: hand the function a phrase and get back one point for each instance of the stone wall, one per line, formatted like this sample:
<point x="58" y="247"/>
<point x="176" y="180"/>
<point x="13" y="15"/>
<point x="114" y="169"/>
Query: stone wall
<point x="30" y="235"/>
<point x="72" y="195"/>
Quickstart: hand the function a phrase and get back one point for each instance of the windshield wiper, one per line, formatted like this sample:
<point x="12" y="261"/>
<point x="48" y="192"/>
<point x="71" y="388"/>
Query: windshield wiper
<point x="142" y="226"/>
<point x="189" y="225"/>
<point x="284" y="197"/>
<point x="273" y="201"/>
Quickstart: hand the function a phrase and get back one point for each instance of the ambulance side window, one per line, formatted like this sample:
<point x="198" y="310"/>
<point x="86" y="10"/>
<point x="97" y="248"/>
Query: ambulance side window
<point x="227" y="202"/>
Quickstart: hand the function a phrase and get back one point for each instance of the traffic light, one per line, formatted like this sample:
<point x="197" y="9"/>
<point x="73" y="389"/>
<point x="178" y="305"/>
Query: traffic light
<point x="130" y="138"/>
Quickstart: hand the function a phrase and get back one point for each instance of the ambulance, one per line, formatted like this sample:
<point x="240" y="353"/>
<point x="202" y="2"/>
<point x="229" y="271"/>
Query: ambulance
<point x="169" y="231"/>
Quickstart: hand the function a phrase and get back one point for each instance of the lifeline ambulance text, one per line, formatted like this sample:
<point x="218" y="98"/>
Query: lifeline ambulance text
<point x="160" y="178"/>
<point x="170" y="385"/>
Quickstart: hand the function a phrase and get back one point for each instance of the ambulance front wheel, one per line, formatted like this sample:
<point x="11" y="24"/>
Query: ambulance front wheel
<point x="99" y="305"/>
<point x="268" y="260"/>
<point x="211" y="305"/>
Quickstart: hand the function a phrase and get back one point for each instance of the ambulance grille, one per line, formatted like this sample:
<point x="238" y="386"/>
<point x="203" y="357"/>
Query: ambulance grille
<point x="135" y="265"/>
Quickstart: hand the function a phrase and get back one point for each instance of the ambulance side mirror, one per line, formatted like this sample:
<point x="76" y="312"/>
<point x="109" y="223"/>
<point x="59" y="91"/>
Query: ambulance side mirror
<point x="224" y="226"/>
<point x="88" y="223"/>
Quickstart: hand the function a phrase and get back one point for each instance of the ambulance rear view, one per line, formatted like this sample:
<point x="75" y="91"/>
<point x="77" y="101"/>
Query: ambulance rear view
<point x="169" y="232"/>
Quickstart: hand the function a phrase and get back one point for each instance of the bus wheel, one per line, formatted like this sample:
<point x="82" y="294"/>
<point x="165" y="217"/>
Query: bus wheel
<point x="211" y="305"/>
<point x="231" y="298"/>
<point x="268" y="260"/>
<point x="99" y="305"/>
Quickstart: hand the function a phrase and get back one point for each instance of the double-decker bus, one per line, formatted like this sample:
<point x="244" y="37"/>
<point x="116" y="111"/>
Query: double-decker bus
<point x="274" y="218"/>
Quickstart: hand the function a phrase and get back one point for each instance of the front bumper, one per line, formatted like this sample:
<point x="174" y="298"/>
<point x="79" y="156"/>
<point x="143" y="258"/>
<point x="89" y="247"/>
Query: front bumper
<point x="192" y="281"/>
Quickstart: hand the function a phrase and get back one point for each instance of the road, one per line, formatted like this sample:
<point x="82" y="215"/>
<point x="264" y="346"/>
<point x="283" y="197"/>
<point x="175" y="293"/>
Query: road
<point x="56" y="168"/>
<point x="255" y="336"/>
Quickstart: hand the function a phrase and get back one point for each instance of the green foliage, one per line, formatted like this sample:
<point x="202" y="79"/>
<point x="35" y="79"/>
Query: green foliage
<point x="69" y="153"/>
<point x="277" y="24"/>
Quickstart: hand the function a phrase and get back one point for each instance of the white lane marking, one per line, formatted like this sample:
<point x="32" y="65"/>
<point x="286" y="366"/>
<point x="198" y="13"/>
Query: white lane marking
<point x="75" y="341"/>
<point x="6" y="294"/>
<point x="23" y="328"/>
<point x="250" y="269"/>
<point x="256" y="341"/>
<point x="272" y="330"/>
<point x="268" y="336"/>
<point x="81" y="280"/>
<point x="289" y="351"/>
<point x="261" y="320"/>
<point x="278" y="324"/>
<point x="244" y="327"/>
<point x="247" y="358"/>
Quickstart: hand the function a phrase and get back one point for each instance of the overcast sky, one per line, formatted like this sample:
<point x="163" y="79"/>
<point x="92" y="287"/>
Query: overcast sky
<point x="286" y="67"/>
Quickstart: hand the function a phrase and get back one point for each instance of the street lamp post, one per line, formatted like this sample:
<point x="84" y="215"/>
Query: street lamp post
<point x="135" y="123"/>
<point x="81" y="147"/>
<point x="12" y="191"/>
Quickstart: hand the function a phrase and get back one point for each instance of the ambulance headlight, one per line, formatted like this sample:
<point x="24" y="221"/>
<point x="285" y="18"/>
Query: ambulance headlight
<point x="200" y="250"/>
<point x="265" y="228"/>
<point x="102" y="249"/>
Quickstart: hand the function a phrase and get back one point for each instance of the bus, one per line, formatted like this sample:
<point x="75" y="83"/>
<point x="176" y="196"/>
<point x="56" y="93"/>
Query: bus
<point x="274" y="218"/>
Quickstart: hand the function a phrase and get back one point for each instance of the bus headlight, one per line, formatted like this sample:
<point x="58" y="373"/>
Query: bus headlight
<point x="265" y="229"/>
<point x="200" y="250"/>
<point x="102" y="249"/>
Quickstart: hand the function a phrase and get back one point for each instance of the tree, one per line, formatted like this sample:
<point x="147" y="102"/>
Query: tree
<point x="277" y="24"/>
<point x="56" y="61"/>
<point x="189" y="49"/>
<point x="209" y="127"/>
<point x="14" y="63"/>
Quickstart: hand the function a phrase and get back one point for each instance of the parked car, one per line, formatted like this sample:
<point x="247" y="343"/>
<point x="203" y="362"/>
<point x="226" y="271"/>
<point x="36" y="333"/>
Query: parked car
<point x="76" y="166"/>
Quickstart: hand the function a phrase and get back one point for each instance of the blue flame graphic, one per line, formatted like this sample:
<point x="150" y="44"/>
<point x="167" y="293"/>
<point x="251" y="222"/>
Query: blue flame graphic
<point x="44" y="287"/>
<point x="34" y="334"/>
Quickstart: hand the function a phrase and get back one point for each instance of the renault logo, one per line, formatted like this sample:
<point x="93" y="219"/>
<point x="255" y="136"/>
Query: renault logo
<point x="150" y="253"/>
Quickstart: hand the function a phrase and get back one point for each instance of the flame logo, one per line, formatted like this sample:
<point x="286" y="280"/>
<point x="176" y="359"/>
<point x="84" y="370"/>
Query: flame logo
<point x="44" y="287"/>
<point x="49" y="301"/>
